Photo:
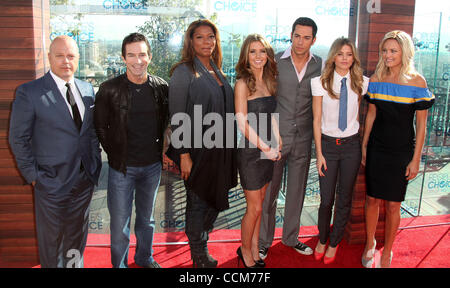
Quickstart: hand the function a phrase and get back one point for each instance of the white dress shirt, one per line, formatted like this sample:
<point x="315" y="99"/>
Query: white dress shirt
<point x="300" y="74"/>
<point x="61" y="84"/>
<point x="330" y="106"/>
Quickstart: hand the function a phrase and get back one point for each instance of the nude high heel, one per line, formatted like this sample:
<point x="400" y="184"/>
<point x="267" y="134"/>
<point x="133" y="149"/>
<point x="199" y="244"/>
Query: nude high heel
<point x="368" y="259"/>
<point x="378" y="262"/>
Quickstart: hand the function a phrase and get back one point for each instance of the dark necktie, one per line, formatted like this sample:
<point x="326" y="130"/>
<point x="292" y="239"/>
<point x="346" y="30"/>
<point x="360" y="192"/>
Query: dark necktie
<point x="342" y="124"/>
<point x="75" y="112"/>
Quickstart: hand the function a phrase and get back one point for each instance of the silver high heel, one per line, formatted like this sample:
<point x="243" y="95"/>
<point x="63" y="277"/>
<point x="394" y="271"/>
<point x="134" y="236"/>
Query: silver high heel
<point x="368" y="259"/>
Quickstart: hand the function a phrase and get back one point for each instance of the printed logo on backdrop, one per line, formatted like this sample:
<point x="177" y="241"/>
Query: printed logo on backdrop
<point x="338" y="8"/>
<point x="278" y="35"/>
<point x="125" y="4"/>
<point x="96" y="223"/>
<point x="138" y="7"/>
<point x="342" y="8"/>
<point x="312" y="194"/>
<point x="438" y="182"/>
<point x="235" y="6"/>
<point x="446" y="74"/>
<point x="426" y="45"/>
<point x="85" y="30"/>
<point x="409" y="207"/>
<point x="171" y="220"/>
<point x="426" y="41"/>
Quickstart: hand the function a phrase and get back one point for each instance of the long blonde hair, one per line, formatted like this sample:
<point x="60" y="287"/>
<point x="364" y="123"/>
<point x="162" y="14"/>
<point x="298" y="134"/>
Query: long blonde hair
<point x="356" y="72"/>
<point x="407" y="70"/>
<point x="270" y="71"/>
<point x="188" y="54"/>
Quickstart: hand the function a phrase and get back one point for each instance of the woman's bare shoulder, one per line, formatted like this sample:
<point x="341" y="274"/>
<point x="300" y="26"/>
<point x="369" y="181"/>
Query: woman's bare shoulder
<point x="241" y="88"/>
<point x="374" y="78"/>
<point x="418" y="81"/>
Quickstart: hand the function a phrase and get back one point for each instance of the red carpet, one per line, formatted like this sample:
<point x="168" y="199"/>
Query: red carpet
<point x="415" y="247"/>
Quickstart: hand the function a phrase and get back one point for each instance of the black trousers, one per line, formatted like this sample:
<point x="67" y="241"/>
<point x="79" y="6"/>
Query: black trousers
<point x="343" y="158"/>
<point x="200" y="218"/>
<point x="62" y="224"/>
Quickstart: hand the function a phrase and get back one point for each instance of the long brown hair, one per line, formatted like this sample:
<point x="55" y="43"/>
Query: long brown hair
<point x="270" y="71"/>
<point x="356" y="72"/>
<point x="188" y="54"/>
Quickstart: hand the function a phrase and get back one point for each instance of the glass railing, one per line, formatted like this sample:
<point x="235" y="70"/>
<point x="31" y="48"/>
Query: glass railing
<point x="99" y="27"/>
<point x="429" y="193"/>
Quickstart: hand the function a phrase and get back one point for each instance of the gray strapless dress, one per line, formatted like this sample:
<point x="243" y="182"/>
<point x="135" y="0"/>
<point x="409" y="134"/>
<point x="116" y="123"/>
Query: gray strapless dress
<point x="255" y="171"/>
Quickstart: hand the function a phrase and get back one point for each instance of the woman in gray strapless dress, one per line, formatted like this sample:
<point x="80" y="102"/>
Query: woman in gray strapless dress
<point x="260" y="144"/>
<point x="255" y="169"/>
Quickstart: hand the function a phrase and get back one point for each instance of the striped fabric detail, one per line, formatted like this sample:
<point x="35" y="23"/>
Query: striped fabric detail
<point x="396" y="93"/>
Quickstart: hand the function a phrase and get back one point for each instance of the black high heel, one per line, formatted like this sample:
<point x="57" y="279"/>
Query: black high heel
<point x="239" y="253"/>
<point x="204" y="261"/>
<point x="260" y="263"/>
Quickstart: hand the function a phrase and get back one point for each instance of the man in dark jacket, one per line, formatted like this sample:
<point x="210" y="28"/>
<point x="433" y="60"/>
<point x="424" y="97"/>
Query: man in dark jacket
<point x="131" y="114"/>
<point x="53" y="140"/>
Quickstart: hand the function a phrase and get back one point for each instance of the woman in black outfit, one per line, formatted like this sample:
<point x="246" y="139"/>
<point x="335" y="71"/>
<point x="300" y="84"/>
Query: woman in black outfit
<point x="197" y="85"/>
<point x="392" y="145"/>
<point x="255" y="104"/>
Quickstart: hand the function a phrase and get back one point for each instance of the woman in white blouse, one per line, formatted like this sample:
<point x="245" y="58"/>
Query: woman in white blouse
<point x="336" y="97"/>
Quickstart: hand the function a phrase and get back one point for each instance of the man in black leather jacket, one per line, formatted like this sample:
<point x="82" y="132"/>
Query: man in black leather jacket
<point x="131" y="115"/>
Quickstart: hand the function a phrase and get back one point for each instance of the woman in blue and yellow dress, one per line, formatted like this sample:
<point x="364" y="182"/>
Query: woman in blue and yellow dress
<point x="391" y="148"/>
